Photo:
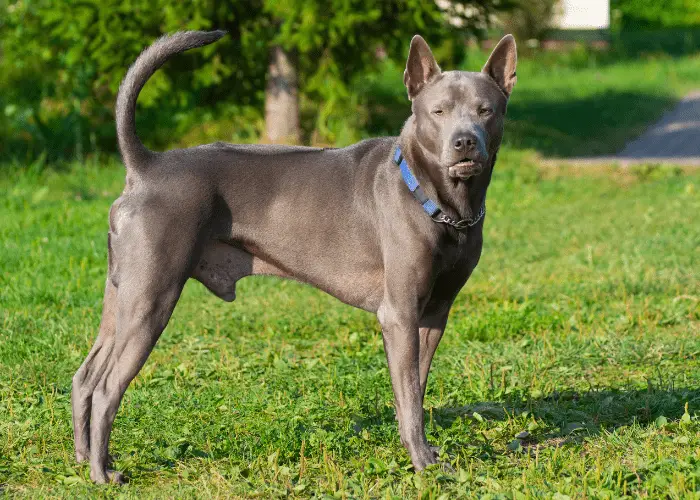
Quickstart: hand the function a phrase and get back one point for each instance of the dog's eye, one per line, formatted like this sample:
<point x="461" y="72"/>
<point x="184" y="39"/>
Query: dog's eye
<point x="438" y="112"/>
<point x="485" y="111"/>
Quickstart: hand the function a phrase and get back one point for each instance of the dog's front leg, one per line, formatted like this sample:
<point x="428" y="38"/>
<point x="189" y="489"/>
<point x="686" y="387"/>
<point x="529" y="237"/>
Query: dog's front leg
<point x="402" y="347"/>
<point x="432" y="326"/>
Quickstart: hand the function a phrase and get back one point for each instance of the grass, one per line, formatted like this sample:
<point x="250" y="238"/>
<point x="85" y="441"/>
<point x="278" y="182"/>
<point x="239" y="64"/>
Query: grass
<point x="580" y="326"/>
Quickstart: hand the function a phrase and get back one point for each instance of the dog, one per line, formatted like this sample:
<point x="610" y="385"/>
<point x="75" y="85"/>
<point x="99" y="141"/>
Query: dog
<point x="391" y="225"/>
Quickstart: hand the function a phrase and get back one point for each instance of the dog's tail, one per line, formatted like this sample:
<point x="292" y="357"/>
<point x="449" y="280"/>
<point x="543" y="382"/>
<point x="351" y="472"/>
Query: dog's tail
<point x="134" y="153"/>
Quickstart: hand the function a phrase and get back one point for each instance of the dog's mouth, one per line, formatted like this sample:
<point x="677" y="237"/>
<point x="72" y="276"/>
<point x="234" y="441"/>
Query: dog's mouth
<point x="465" y="168"/>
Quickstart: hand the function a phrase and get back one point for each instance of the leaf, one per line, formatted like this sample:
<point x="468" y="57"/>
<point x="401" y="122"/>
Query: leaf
<point x="573" y="427"/>
<point x="71" y="480"/>
<point x="463" y="476"/>
<point x="515" y="445"/>
<point x="40" y="194"/>
<point x="685" y="419"/>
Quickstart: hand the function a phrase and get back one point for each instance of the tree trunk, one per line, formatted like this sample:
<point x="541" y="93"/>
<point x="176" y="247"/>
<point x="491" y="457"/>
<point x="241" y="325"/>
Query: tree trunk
<point x="281" y="99"/>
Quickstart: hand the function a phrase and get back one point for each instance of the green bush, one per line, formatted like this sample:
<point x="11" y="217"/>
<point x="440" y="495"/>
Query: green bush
<point x="61" y="63"/>
<point x="648" y="26"/>
<point x="650" y="14"/>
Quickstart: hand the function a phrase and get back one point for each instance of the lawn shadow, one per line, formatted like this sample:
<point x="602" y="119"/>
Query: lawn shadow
<point x="577" y="414"/>
<point x="600" y="124"/>
<point x="570" y="415"/>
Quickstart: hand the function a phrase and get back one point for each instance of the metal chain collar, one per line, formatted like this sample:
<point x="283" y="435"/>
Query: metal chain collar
<point x="461" y="224"/>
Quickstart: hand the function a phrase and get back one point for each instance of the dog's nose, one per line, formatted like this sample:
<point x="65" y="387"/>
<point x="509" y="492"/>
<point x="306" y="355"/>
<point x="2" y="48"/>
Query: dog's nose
<point x="465" y="143"/>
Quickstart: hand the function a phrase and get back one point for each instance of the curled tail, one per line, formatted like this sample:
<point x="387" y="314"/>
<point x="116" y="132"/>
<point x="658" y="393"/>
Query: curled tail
<point x="132" y="149"/>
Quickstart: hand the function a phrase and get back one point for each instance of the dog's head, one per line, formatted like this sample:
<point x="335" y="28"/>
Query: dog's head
<point x="459" y="115"/>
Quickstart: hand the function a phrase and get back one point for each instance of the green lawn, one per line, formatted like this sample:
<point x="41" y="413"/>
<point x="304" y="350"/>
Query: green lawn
<point x="580" y="326"/>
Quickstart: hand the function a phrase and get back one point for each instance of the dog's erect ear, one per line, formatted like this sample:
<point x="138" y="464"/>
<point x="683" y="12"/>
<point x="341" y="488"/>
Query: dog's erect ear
<point x="501" y="64"/>
<point x="421" y="67"/>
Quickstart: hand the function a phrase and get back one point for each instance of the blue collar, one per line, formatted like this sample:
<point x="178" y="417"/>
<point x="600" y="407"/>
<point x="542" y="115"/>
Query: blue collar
<point x="431" y="208"/>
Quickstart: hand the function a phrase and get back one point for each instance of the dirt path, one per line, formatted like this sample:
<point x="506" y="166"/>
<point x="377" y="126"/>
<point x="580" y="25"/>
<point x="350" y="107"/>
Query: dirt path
<point x="673" y="139"/>
<point x="676" y="137"/>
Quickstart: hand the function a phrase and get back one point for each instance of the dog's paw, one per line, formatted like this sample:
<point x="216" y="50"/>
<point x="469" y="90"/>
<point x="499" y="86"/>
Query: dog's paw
<point x="444" y="463"/>
<point x="116" y="477"/>
<point x="423" y="457"/>
<point x="108" y="476"/>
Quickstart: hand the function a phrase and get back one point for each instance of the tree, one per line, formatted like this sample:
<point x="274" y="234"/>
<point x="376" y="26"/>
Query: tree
<point x="332" y="40"/>
<point x="62" y="61"/>
<point x="282" y="98"/>
<point x="530" y="19"/>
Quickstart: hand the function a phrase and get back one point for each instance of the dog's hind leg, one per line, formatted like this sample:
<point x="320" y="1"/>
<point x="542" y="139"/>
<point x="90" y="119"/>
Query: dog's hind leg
<point x="90" y="372"/>
<point x="144" y="306"/>
<point x="153" y="262"/>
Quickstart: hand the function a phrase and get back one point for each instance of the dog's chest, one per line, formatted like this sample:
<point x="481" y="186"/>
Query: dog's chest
<point x="460" y="251"/>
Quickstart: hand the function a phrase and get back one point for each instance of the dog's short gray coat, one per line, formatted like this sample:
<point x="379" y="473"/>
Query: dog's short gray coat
<point x="342" y="220"/>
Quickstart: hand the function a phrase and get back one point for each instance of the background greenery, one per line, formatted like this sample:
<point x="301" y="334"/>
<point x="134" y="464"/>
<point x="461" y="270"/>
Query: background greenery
<point x="655" y="14"/>
<point x="61" y="64"/>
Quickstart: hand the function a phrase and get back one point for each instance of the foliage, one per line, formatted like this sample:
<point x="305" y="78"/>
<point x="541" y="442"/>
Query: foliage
<point x="579" y="327"/>
<point x="645" y="14"/>
<point x="647" y="26"/>
<point x="62" y="61"/>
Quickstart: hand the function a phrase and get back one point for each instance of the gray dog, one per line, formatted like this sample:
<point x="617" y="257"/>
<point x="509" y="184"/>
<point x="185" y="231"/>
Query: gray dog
<point x="391" y="225"/>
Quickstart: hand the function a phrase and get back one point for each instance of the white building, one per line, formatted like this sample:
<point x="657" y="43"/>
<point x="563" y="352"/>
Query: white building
<point x="582" y="15"/>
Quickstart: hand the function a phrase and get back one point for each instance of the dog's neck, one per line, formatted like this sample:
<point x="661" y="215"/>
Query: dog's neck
<point x="460" y="199"/>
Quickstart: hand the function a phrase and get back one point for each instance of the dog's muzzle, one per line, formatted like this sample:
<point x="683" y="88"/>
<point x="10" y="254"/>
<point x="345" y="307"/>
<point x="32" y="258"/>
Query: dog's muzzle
<point x="466" y="168"/>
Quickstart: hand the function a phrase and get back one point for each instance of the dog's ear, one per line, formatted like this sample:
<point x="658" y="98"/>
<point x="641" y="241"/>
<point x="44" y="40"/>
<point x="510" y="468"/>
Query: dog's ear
<point x="501" y="64"/>
<point x="421" y="67"/>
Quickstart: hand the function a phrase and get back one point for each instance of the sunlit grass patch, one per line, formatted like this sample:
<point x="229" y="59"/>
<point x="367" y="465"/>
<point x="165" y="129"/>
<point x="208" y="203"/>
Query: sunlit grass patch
<point x="570" y="364"/>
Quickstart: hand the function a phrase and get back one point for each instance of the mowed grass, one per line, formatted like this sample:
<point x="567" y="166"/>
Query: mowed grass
<point x="580" y="327"/>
